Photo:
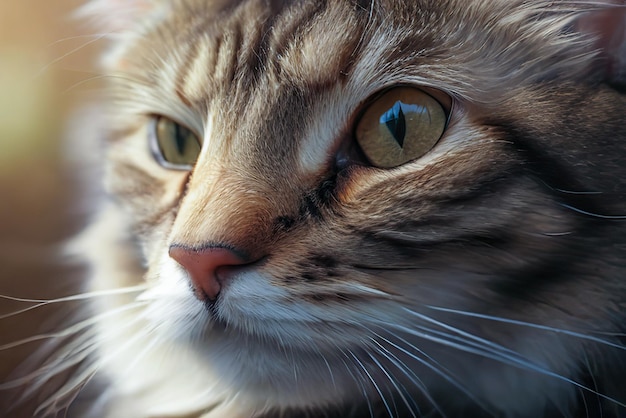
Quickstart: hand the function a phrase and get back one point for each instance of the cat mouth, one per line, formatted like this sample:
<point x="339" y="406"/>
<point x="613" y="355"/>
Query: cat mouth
<point x="211" y="307"/>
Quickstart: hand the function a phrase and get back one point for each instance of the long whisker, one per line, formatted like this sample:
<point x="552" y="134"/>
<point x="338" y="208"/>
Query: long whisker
<point x="65" y="399"/>
<point x="503" y="357"/>
<point x="330" y="370"/>
<point x="408" y="373"/>
<point x="392" y="380"/>
<point x="83" y="82"/>
<point x="73" y="329"/>
<point x="84" y="346"/>
<point x="87" y="374"/>
<point x="356" y="380"/>
<point x="438" y="369"/>
<point x="82" y="36"/>
<point x="595" y="385"/>
<point x="400" y="392"/>
<point x="72" y="298"/>
<point x="67" y="54"/>
<point x="70" y="354"/>
<point x="120" y="91"/>
<point x="594" y="215"/>
<point x="71" y="388"/>
<point x="528" y="324"/>
<point x="371" y="379"/>
<point x="482" y="342"/>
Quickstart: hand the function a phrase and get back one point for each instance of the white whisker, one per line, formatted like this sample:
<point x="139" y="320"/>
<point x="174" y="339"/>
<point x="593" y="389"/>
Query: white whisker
<point x="356" y="380"/>
<point x="77" y="350"/>
<point x="67" y="54"/>
<point x="481" y="341"/>
<point x="72" y="298"/>
<point x="400" y="392"/>
<point x="406" y="370"/>
<point x="73" y="329"/>
<point x="491" y="351"/>
<point x="530" y="325"/>
<point x="87" y="374"/>
<point x="371" y="379"/>
<point x="438" y="369"/>
<point x="70" y="354"/>
<point x="82" y="36"/>
<point x="595" y="386"/>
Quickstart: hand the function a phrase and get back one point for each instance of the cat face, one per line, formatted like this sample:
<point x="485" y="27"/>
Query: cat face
<point x="336" y="200"/>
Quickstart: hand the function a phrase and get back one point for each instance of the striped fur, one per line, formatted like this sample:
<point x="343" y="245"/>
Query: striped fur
<point x="482" y="279"/>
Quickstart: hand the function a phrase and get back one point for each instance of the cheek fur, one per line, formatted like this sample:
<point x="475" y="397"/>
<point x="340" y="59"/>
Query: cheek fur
<point x="482" y="279"/>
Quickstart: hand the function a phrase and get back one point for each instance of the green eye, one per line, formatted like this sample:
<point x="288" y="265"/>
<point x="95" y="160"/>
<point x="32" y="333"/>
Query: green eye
<point x="401" y="125"/>
<point x="173" y="145"/>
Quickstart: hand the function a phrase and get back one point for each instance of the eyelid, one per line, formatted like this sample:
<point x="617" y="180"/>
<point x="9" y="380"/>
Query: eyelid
<point x="441" y="96"/>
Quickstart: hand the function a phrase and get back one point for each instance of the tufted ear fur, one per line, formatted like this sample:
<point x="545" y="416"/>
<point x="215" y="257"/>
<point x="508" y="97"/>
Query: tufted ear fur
<point x="608" y="26"/>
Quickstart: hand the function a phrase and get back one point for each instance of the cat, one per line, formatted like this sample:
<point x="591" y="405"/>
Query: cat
<point x="355" y="209"/>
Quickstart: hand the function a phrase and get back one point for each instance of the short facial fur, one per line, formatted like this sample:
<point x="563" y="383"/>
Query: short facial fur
<point x="484" y="278"/>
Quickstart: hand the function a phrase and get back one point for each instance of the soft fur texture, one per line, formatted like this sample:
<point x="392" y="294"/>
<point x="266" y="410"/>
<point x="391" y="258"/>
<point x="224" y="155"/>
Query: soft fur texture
<point x="485" y="278"/>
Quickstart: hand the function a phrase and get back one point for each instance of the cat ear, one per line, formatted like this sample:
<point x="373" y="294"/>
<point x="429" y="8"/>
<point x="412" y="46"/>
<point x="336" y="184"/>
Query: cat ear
<point x="608" y="28"/>
<point x="115" y="16"/>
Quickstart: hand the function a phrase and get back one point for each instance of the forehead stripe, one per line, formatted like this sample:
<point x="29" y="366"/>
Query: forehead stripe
<point x="195" y="72"/>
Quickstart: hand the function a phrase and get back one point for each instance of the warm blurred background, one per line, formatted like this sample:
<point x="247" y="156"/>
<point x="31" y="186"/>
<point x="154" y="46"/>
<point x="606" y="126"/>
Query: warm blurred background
<point x="45" y="71"/>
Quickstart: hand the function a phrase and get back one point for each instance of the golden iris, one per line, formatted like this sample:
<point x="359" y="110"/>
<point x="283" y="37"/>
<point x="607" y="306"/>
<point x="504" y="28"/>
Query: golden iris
<point x="401" y="125"/>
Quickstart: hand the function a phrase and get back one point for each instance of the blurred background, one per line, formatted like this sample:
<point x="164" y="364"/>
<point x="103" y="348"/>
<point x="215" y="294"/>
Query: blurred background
<point x="46" y="71"/>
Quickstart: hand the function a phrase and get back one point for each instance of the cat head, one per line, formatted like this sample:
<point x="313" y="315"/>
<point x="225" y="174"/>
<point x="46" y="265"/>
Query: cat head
<point x="342" y="189"/>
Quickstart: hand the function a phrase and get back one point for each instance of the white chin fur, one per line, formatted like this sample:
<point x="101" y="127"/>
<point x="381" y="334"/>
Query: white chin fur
<point x="162" y="357"/>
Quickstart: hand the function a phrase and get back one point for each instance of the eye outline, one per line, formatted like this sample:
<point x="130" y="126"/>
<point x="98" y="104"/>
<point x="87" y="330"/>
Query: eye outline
<point x="155" y="149"/>
<point x="443" y="98"/>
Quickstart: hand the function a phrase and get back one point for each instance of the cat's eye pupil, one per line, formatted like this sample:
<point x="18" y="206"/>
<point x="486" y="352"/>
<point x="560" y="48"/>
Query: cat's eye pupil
<point x="394" y="119"/>
<point x="181" y="138"/>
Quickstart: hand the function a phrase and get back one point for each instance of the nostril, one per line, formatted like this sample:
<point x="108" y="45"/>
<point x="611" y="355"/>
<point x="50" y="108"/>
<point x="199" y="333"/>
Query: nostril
<point x="202" y="264"/>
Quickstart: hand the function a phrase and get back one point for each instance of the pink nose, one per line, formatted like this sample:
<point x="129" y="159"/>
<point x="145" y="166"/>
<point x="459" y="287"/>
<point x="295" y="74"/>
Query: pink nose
<point x="202" y="266"/>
